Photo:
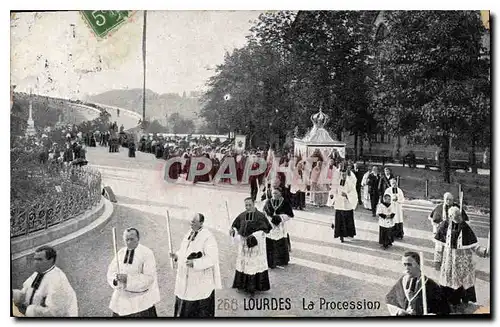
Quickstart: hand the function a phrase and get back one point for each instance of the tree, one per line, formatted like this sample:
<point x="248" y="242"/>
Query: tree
<point x="476" y="127"/>
<point x="156" y="127"/>
<point x="259" y="81"/>
<point x="174" y="120"/>
<point x="292" y="65"/>
<point x="185" y="126"/>
<point x="45" y="112"/>
<point x="180" y="125"/>
<point x="249" y="77"/>
<point x="429" y="71"/>
<point x="18" y="123"/>
<point x="330" y="52"/>
<point x="207" y="128"/>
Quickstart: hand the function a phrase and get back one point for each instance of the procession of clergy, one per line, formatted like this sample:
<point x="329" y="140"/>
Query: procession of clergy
<point x="264" y="243"/>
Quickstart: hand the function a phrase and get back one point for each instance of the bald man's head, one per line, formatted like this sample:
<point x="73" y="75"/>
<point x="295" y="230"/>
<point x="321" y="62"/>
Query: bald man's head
<point x="448" y="198"/>
<point x="197" y="221"/>
<point x="455" y="214"/>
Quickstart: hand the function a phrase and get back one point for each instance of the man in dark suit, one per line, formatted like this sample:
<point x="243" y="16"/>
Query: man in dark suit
<point x="373" y="189"/>
<point x="385" y="180"/>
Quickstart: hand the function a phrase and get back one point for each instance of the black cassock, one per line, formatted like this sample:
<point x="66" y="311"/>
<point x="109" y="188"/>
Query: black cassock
<point x="437" y="214"/>
<point x="159" y="150"/>
<point x="131" y="149"/>
<point x="251" y="266"/>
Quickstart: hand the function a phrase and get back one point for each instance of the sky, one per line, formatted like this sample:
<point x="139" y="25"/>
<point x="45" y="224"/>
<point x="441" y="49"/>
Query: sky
<point x="57" y="54"/>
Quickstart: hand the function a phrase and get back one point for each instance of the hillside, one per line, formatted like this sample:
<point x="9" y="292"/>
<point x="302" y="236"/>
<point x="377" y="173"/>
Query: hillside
<point x="157" y="105"/>
<point x="46" y="112"/>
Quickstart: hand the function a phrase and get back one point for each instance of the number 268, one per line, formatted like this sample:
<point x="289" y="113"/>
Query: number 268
<point x="227" y="304"/>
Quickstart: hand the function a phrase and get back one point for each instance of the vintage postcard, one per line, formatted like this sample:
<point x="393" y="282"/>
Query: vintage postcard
<point x="198" y="164"/>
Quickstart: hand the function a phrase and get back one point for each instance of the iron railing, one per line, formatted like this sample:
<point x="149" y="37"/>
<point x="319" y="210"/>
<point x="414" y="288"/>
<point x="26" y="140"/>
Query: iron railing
<point x="69" y="191"/>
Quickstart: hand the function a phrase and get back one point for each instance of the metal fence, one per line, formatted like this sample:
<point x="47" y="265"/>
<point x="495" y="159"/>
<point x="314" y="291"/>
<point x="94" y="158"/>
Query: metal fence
<point x="68" y="192"/>
<point x="423" y="185"/>
<point x="419" y="183"/>
<point x="475" y="194"/>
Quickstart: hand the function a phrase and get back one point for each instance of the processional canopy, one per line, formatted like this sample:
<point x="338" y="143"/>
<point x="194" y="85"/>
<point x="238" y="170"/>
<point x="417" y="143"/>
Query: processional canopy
<point x="318" y="139"/>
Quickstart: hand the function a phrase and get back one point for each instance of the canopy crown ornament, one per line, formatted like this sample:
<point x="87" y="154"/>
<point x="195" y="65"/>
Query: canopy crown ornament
<point x="319" y="119"/>
<point x="318" y="140"/>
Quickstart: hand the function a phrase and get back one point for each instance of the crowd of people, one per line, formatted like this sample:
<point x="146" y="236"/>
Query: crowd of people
<point x="263" y="241"/>
<point x="67" y="144"/>
<point x="379" y="193"/>
<point x="110" y="138"/>
<point x="188" y="148"/>
<point x="68" y="150"/>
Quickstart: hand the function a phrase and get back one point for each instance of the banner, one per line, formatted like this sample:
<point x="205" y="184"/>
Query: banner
<point x="240" y="143"/>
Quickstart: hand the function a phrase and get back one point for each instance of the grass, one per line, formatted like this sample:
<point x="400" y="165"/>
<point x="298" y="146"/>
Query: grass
<point x="476" y="188"/>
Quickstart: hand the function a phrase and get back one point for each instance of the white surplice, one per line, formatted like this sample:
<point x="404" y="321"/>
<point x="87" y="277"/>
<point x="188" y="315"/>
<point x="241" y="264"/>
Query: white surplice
<point x="338" y="201"/>
<point x="251" y="261"/>
<point x="298" y="183"/>
<point x="385" y="222"/>
<point x="197" y="283"/>
<point x="397" y="203"/>
<point x="54" y="297"/>
<point x="141" y="291"/>
<point x="280" y="231"/>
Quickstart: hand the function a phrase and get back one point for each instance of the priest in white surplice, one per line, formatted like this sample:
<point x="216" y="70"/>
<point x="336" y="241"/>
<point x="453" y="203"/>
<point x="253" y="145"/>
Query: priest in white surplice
<point x="344" y="198"/>
<point x="135" y="287"/>
<point x="198" y="273"/>
<point x="279" y="212"/>
<point x="46" y="293"/>
<point x="397" y="198"/>
<point x="249" y="230"/>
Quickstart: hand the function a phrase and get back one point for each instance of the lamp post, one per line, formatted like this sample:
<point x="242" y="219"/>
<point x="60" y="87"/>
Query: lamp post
<point x="144" y="69"/>
<point x="227" y="98"/>
<point x="142" y="127"/>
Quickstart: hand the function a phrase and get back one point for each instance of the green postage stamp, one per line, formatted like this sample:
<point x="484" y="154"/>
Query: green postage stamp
<point x="102" y="22"/>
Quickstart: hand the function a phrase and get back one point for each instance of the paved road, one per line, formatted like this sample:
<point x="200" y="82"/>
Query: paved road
<point x="79" y="113"/>
<point x="321" y="266"/>
<point x="76" y="114"/>
<point x="127" y="118"/>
